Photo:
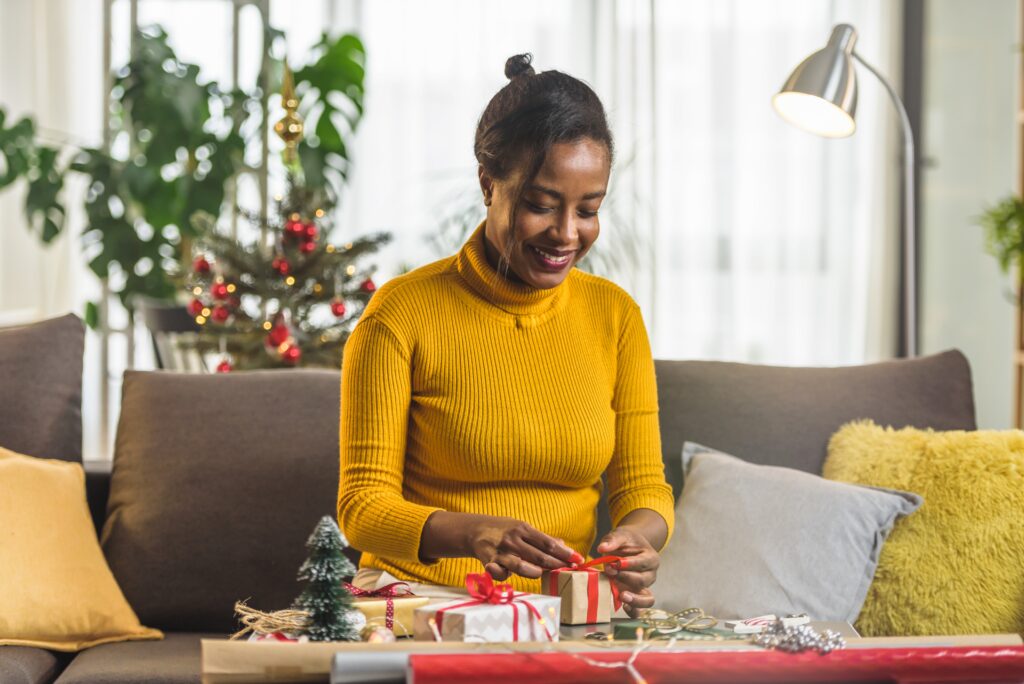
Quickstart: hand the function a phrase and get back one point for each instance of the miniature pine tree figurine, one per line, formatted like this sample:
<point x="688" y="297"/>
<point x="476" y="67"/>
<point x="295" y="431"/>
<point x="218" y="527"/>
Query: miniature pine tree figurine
<point x="325" y="598"/>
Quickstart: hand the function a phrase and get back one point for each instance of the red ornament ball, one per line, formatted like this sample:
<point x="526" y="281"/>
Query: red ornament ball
<point x="367" y="286"/>
<point x="307" y="246"/>
<point x="195" y="307"/>
<point x="294" y="228"/>
<point x="225" y="366"/>
<point x="278" y="335"/>
<point x="201" y="265"/>
<point x="219" y="290"/>
<point x="220" y="314"/>
<point x="281" y="265"/>
<point x="310" y="231"/>
<point x="338" y="308"/>
<point x="292" y="355"/>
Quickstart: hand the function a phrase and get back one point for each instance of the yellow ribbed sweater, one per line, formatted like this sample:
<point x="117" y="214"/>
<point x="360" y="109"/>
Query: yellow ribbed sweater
<point x="462" y="391"/>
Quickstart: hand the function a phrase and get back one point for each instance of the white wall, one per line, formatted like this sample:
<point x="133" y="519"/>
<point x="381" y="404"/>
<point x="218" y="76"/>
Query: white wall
<point x="970" y="93"/>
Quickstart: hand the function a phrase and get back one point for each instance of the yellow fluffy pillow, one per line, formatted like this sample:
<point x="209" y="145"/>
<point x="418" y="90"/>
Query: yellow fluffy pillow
<point x="956" y="566"/>
<point x="56" y="590"/>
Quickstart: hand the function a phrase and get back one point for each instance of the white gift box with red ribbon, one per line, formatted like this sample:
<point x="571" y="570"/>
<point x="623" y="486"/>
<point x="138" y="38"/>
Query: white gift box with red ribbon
<point x="492" y="612"/>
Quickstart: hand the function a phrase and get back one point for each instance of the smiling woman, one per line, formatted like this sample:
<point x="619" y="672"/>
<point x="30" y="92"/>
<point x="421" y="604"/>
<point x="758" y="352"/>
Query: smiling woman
<point x="559" y="222"/>
<point x="485" y="395"/>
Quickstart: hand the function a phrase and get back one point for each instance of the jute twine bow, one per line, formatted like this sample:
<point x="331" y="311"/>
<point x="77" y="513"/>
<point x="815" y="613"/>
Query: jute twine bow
<point x="258" y="622"/>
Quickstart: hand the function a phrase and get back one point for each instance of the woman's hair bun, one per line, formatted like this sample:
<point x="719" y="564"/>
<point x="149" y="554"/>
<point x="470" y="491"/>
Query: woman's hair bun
<point x="519" y="65"/>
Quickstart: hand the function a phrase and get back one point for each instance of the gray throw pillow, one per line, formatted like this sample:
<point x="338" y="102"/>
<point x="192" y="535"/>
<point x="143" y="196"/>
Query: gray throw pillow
<point x="41" y="375"/>
<point x="751" y="540"/>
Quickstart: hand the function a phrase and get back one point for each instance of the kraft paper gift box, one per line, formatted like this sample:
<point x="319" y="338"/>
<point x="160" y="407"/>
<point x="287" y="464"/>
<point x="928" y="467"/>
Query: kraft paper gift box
<point x="472" y="619"/>
<point x="586" y="595"/>
<point x="404" y="609"/>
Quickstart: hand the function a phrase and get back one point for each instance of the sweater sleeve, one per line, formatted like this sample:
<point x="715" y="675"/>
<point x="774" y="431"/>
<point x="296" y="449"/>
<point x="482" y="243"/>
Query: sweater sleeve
<point x="375" y="393"/>
<point x="636" y="474"/>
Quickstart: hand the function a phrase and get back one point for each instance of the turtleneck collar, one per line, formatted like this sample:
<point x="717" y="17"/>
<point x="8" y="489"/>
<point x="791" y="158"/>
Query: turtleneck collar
<point x="514" y="298"/>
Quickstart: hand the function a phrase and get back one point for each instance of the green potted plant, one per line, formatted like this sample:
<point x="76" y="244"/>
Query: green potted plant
<point x="1003" y="224"/>
<point x="176" y="144"/>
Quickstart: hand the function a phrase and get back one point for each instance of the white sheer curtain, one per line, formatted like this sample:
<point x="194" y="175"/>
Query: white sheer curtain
<point x="741" y="237"/>
<point x="50" y="69"/>
<point x="50" y="55"/>
<point x="754" y="241"/>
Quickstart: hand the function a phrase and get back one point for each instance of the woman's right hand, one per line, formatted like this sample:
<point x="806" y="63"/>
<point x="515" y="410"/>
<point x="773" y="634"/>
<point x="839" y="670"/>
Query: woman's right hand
<point x="504" y="545"/>
<point x="508" y="546"/>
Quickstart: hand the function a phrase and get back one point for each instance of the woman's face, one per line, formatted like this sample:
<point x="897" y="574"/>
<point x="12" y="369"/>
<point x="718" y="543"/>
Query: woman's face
<point x="556" y="221"/>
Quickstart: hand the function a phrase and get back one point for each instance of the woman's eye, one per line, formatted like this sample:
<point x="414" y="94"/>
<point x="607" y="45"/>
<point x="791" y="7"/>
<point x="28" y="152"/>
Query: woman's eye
<point x="537" y="208"/>
<point x="587" y="214"/>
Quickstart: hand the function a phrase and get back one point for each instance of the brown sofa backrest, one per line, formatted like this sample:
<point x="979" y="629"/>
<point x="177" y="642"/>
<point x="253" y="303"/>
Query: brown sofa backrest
<point x="217" y="482"/>
<point x="218" y="479"/>
<point x="785" y="416"/>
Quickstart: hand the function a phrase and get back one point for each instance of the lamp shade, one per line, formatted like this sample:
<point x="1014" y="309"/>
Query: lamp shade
<point x="820" y="95"/>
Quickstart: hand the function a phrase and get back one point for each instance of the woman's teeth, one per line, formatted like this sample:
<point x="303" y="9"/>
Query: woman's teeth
<point x="553" y="258"/>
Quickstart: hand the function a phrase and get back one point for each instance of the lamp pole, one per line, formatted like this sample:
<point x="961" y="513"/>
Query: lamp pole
<point x="909" y="215"/>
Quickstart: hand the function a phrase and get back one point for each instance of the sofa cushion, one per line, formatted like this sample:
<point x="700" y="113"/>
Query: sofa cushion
<point x="785" y="416"/>
<point x="217" y="481"/>
<point x="957" y="565"/>
<point x="753" y="540"/>
<point x="27" y="665"/>
<point x="175" y="660"/>
<point x="56" y="590"/>
<point x="41" y="366"/>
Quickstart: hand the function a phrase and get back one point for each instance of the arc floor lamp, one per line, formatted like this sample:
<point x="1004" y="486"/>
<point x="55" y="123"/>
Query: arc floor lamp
<point x="820" y="96"/>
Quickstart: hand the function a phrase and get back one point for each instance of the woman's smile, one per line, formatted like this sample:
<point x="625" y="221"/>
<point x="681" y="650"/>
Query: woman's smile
<point x="552" y="260"/>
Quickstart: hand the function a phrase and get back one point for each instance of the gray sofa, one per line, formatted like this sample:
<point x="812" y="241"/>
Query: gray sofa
<point x="218" y="479"/>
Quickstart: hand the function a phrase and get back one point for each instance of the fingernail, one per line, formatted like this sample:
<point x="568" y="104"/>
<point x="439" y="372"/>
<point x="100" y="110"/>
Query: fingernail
<point x="576" y="557"/>
<point x="611" y="571"/>
<point x="626" y="597"/>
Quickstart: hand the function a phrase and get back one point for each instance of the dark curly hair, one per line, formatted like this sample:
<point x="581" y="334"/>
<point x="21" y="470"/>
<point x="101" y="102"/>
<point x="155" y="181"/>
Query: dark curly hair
<point x="529" y="115"/>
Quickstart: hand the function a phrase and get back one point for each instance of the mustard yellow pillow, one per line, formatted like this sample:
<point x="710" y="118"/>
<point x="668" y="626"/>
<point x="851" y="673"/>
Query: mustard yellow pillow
<point x="957" y="565"/>
<point x="56" y="590"/>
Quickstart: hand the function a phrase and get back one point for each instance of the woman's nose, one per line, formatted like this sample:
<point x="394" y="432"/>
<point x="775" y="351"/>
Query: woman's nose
<point x="567" y="229"/>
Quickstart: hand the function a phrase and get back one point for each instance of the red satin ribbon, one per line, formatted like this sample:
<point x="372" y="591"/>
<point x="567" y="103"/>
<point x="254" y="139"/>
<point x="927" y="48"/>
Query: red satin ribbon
<point x="592" y="583"/>
<point x="389" y="592"/>
<point x="483" y="589"/>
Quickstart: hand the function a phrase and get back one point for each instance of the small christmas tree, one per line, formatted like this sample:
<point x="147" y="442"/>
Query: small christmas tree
<point x="292" y="303"/>
<point x="289" y="297"/>
<point x="325" y="598"/>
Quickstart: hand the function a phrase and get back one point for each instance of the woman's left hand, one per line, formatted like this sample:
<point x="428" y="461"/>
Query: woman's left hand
<point x="638" y="569"/>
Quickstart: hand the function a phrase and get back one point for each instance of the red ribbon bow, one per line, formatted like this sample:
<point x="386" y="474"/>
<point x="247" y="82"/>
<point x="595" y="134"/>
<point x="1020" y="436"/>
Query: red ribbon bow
<point x="389" y="592"/>
<point x="485" y="590"/>
<point x="592" y="583"/>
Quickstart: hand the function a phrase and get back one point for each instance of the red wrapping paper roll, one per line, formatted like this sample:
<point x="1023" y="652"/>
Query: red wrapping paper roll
<point x="905" y="665"/>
